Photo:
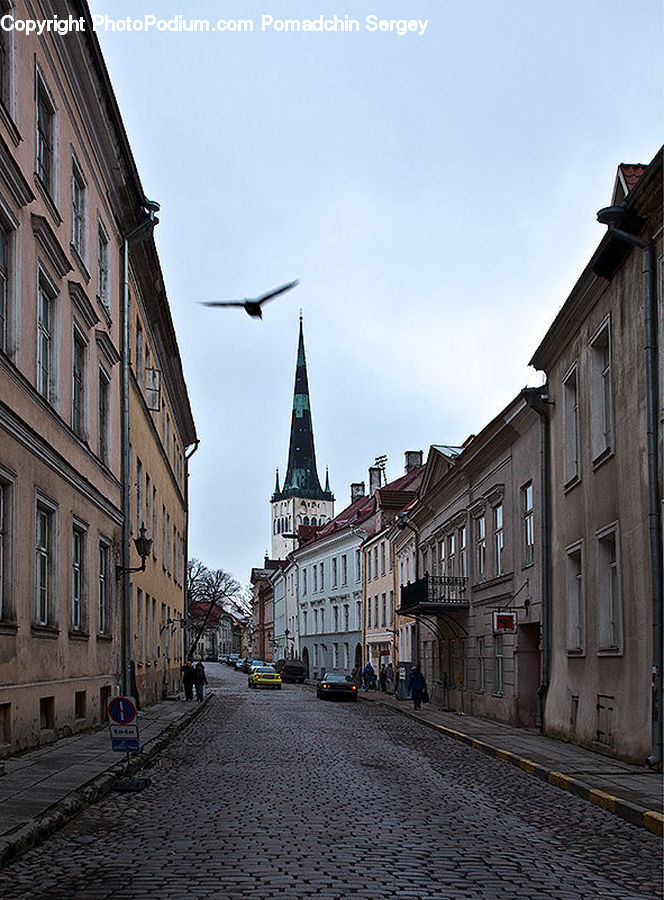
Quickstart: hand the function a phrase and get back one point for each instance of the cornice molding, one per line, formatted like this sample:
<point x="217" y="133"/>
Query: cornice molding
<point x="107" y="347"/>
<point x="11" y="174"/>
<point x="80" y="300"/>
<point x="495" y="495"/>
<point x="50" y="246"/>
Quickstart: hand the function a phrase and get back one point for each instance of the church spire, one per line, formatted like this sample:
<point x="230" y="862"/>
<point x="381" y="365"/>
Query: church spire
<point x="301" y="479"/>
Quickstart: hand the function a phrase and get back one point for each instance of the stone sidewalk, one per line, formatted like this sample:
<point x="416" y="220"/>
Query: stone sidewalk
<point x="44" y="788"/>
<point x="631" y="792"/>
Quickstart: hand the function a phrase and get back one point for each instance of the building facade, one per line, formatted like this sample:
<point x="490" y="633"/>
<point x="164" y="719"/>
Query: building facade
<point x="599" y="357"/>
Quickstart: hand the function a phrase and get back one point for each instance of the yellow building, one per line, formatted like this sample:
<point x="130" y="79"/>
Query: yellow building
<point x="162" y="436"/>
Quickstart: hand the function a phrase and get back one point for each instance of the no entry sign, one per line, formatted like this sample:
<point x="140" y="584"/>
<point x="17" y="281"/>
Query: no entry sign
<point x="121" y="710"/>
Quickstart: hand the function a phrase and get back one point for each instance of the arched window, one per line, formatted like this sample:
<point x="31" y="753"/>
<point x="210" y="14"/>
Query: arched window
<point x="278" y="526"/>
<point x="305" y="521"/>
<point x="314" y="520"/>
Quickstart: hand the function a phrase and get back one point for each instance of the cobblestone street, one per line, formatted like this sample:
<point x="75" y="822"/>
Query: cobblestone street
<point x="271" y="793"/>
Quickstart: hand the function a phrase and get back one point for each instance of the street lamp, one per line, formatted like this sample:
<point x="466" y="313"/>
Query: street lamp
<point x="143" y="546"/>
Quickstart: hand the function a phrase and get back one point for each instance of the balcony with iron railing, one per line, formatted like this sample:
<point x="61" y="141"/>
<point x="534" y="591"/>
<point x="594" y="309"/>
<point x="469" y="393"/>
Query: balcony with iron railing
<point x="434" y="593"/>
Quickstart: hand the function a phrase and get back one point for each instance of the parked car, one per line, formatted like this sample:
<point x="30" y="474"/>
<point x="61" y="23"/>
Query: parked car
<point x="264" y="676"/>
<point x="232" y="658"/>
<point x="292" y="671"/>
<point x="338" y="686"/>
<point x="240" y="664"/>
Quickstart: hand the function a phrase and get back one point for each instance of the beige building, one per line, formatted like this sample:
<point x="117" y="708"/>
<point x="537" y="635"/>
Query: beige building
<point x="69" y="197"/>
<point x="599" y="356"/>
<point x="162" y="437"/>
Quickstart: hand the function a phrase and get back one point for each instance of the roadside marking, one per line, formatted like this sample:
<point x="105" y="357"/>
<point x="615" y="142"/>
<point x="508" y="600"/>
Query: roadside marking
<point x="560" y="780"/>
<point x="505" y="755"/>
<point x="601" y="798"/>
<point x="654" y="822"/>
<point x="528" y="765"/>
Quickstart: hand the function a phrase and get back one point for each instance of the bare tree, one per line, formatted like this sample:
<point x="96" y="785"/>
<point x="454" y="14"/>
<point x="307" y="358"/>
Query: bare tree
<point x="209" y="587"/>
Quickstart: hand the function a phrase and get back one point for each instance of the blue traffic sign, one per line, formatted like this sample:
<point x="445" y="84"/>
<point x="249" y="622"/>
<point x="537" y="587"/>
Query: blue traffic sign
<point x="125" y="745"/>
<point x="121" y="710"/>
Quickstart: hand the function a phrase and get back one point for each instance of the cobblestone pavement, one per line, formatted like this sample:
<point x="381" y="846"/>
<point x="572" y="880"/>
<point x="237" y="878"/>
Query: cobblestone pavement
<point x="271" y="793"/>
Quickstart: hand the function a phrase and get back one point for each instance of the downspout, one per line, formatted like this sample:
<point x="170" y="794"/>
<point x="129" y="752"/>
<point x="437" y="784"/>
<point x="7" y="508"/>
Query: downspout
<point x="537" y="399"/>
<point x="185" y="598"/>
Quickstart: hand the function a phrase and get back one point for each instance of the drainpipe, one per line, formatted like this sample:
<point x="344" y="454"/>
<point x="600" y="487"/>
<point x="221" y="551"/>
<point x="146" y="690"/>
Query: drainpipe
<point x="537" y="399"/>
<point x="149" y="207"/>
<point x="614" y="216"/>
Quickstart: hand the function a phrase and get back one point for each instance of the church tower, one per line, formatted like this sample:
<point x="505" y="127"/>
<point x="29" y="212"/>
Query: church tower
<point x="300" y="500"/>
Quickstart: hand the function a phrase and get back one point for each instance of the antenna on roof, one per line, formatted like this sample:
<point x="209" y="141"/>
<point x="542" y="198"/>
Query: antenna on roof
<point x="381" y="463"/>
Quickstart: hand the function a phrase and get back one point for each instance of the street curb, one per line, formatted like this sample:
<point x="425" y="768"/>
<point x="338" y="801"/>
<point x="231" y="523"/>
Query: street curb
<point x="36" y="831"/>
<point x="630" y="812"/>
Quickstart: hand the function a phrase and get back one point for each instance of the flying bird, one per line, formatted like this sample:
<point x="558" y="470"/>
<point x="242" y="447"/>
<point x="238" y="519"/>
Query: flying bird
<point x="253" y="307"/>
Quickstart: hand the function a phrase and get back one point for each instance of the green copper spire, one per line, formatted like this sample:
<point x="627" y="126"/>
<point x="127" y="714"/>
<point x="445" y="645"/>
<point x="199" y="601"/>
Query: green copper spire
<point x="301" y="478"/>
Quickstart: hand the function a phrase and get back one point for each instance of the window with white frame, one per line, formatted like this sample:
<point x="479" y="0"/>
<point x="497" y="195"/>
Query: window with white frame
<point x="138" y="362"/>
<point x="103" y="594"/>
<point x="334" y="571"/>
<point x="480" y="545"/>
<point x="442" y="557"/>
<point x="390" y="608"/>
<point x="382" y="557"/>
<point x="451" y="556"/>
<point x="358" y="565"/>
<point x="376" y="620"/>
<point x="322" y="576"/>
<point x="346" y="617"/>
<point x="375" y="562"/>
<point x="45" y="313"/>
<point x="601" y="411"/>
<point x="103" y="419"/>
<point x="344" y="569"/>
<point x="45" y="136"/>
<point x="609" y="607"/>
<point x="44" y="563"/>
<point x="103" y="265"/>
<point x="463" y="564"/>
<point x="498" y="661"/>
<point x="78" y="383"/>
<point x="305" y="617"/>
<point x="315" y="587"/>
<point x="335" y="618"/>
<point x="369" y="612"/>
<point x="383" y="607"/>
<point x="304" y="581"/>
<point x="527" y="524"/>
<point x="572" y="462"/>
<point x="575" y="604"/>
<point x="368" y="565"/>
<point x="79" y="202"/>
<point x="139" y="495"/>
<point x="77" y="578"/>
<point x="498" y="540"/>
<point x="358" y="615"/>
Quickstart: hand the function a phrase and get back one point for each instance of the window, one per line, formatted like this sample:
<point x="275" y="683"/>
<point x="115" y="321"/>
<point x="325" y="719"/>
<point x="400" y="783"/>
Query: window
<point x="335" y="656"/>
<point x="154" y="522"/>
<point x="498" y="663"/>
<point x="463" y="566"/>
<point x="46" y="713"/>
<point x="322" y="576"/>
<point x="77" y="391"/>
<point x="79" y="190"/>
<point x="480" y="532"/>
<point x="601" y="417"/>
<point x="4" y="548"/>
<point x="138" y="365"/>
<point x="148" y="506"/>
<point x="390" y="608"/>
<point x="368" y="565"/>
<point x="139" y="625"/>
<point x="139" y="495"/>
<point x="346" y="656"/>
<point x="369" y="612"/>
<point x="305" y="616"/>
<point x="344" y="569"/>
<point x="346" y="617"/>
<point x="498" y="539"/>
<point x="44" y="337"/>
<point x="382" y="557"/>
<point x="442" y="558"/>
<point x="103" y="265"/>
<point x="358" y="615"/>
<point x="168" y="543"/>
<point x="481" y="670"/>
<point x="383" y="620"/>
<point x="102" y="416"/>
<point x="4" y="265"/>
<point x="358" y="565"/>
<point x="527" y="524"/>
<point x="451" y="555"/>
<point x="574" y="600"/>
<point x="322" y="620"/>
<point x="79" y="705"/>
<point x="609" y="611"/>
<point x="315" y="588"/>
<point x="103" y="597"/>
<point x="572" y="466"/>
<point x="304" y="581"/>
<point x="45" y="136"/>
<point x="334" y="572"/>
<point x="375" y="562"/>
<point x="44" y="561"/>
<point x="335" y="618"/>
<point x="5" y="56"/>
<point x="376" y="622"/>
<point x="77" y="578"/>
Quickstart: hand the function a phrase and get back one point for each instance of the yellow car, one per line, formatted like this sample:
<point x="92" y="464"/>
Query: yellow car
<point x="264" y="676"/>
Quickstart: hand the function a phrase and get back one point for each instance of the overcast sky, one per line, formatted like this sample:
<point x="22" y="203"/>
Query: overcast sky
<point x="434" y="193"/>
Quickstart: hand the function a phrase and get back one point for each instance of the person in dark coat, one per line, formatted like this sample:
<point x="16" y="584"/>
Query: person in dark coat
<point x="368" y="674"/>
<point x="417" y="686"/>
<point x="200" y="679"/>
<point x="188" y="678"/>
<point x="382" y="679"/>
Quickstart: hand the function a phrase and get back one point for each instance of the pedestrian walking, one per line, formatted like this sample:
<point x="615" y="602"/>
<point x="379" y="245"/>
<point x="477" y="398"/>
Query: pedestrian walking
<point x="200" y="679"/>
<point x="382" y="679"/>
<point x="389" y="677"/>
<point x="368" y="674"/>
<point x="356" y="676"/>
<point x="188" y="678"/>
<point x="417" y="686"/>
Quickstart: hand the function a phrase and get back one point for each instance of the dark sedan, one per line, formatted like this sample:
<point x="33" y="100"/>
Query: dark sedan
<point x="336" y="686"/>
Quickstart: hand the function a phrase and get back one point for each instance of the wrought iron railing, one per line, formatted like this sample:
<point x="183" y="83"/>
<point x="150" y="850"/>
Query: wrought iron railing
<point x="446" y="590"/>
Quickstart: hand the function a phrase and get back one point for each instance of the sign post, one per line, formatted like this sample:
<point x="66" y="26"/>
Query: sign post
<point x="124" y="730"/>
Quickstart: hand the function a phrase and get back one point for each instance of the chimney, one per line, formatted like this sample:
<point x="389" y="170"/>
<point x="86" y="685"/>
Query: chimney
<point x="374" y="479"/>
<point x="356" y="491"/>
<point x="413" y="459"/>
